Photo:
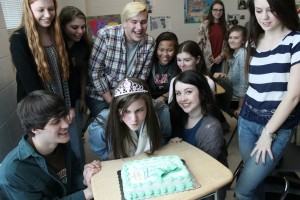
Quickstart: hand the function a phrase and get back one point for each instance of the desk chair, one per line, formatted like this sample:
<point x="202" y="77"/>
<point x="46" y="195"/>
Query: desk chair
<point x="224" y="100"/>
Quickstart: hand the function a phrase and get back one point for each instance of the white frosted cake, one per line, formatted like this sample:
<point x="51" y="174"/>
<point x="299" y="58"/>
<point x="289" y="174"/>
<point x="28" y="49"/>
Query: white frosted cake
<point x="155" y="176"/>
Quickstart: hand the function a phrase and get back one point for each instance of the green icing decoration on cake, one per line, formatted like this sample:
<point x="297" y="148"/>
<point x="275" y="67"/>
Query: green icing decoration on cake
<point x="155" y="176"/>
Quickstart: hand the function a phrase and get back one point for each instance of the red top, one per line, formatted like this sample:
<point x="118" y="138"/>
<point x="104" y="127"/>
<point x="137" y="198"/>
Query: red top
<point x="216" y="38"/>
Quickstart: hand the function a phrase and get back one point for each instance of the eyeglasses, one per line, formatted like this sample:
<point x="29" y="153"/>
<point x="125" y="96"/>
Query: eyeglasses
<point x="217" y="10"/>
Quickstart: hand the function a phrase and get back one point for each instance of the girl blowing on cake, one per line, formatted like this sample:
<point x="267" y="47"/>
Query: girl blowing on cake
<point x="193" y="116"/>
<point x="132" y="126"/>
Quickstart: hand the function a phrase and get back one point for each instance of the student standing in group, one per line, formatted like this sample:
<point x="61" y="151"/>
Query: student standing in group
<point x="235" y="53"/>
<point x="38" y="51"/>
<point x="164" y="66"/>
<point x="132" y="127"/>
<point x="43" y="165"/>
<point x="78" y="45"/>
<point x="120" y="51"/>
<point x="211" y="37"/>
<point x="39" y="55"/>
<point x="193" y="112"/>
<point x="271" y="106"/>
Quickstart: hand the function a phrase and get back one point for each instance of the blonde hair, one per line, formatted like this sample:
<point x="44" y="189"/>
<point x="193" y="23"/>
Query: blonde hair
<point x="132" y="9"/>
<point x="36" y="47"/>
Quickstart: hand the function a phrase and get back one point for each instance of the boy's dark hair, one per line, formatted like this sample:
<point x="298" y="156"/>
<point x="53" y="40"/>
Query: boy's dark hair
<point x="36" y="110"/>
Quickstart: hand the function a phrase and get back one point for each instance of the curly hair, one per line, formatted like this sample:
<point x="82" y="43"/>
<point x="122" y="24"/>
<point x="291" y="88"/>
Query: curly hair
<point x="36" y="47"/>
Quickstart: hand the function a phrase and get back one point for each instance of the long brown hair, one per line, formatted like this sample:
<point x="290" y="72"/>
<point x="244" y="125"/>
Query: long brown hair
<point x="36" y="47"/>
<point x="238" y="28"/>
<point x="222" y="20"/>
<point x="117" y="132"/>
<point x="285" y="12"/>
<point x="193" y="48"/>
<point x="68" y="14"/>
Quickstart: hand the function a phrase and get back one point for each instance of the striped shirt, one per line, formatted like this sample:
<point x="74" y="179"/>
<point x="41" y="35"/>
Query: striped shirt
<point x="107" y="64"/>
<point x="268" y="79"/>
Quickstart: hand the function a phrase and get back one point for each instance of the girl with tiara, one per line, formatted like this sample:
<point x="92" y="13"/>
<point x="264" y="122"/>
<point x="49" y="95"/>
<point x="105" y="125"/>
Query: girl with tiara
<point x="132" y="126"/>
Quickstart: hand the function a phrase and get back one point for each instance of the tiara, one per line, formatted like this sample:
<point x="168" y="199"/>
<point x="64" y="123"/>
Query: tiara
<point x="128" y="87"/>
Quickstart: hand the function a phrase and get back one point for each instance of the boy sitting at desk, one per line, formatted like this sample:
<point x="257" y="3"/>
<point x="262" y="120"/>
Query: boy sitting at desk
<point x="43" y="165"/>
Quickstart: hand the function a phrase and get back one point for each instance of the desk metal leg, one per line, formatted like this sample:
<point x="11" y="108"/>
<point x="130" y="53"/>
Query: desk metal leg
<point x="216" y="195"/>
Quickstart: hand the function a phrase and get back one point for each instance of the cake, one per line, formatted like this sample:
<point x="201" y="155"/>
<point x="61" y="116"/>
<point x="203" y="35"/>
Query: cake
<point x="155" y="176"/>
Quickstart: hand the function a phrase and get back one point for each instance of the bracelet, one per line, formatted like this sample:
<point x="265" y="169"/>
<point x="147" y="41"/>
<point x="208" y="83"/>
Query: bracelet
<point x="272" y="135"/>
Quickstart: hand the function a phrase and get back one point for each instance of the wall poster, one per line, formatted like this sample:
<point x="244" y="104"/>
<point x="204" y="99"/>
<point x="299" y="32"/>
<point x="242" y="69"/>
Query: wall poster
<point x="160" y="22"/>
<point x="195" y="11"/>
<point x="94" y="23"/>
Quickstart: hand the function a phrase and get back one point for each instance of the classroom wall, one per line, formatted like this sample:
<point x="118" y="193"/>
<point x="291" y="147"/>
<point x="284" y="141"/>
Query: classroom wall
<point x="172" y="8"/>
<point x="10" y="129"/>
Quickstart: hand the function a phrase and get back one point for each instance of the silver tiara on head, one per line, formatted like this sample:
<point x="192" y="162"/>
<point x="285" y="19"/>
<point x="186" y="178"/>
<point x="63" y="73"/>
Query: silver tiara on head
<point x="129" y="87"/>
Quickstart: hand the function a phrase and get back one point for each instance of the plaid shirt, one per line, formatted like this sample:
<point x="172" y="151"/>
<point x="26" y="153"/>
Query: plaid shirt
<point x="107" y="65"/>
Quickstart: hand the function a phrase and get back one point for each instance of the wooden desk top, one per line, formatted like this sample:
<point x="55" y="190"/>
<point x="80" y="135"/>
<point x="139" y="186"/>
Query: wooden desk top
<point x="209" y="173"/>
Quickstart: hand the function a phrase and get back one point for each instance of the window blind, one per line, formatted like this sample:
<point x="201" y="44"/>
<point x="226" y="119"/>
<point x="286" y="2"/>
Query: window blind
<point x="12" y="11"/>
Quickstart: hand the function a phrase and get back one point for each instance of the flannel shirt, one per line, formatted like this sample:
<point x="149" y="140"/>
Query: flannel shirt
<point x="107" y="64"/>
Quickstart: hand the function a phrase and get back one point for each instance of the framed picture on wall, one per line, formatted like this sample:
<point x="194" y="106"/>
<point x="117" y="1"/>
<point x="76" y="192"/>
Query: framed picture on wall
<point x="94" y="23"/>
<point x="196" y="11"/>
<point x="242" y="5"/>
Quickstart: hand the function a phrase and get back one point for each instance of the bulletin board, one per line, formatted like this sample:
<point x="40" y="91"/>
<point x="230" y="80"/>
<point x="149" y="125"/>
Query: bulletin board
<point x="95" y="23"/>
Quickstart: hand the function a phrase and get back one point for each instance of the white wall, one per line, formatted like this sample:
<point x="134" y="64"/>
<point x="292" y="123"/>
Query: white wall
<point x="77" y="3"/>
<point x="172" y="8"/>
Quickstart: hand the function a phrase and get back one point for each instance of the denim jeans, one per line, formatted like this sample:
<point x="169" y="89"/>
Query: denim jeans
<point x="75" y="133"/>
<point x="97" y="135"/>
<point x="97" y="129"/>
<point x="95" y="106"/>
<point x="250" y="182"/>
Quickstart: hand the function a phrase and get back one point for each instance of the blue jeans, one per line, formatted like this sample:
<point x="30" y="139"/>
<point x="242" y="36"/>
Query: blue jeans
<point x="97" y="135"/>
<point x="74" y="131"/>
<point x="250" y="182"/>
<point x="95" y="106"/>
